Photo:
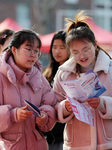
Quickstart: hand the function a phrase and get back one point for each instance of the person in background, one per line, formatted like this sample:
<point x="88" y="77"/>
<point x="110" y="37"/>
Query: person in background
<point x="59" y="53"/>
<point x="5" y="37"/>
<point x="86" y="55"/>
<point x="21" y="79"/>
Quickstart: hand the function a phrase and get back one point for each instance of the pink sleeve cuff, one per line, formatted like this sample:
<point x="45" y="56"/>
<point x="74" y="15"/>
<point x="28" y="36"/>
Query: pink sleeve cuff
<point x="13" y="115"/>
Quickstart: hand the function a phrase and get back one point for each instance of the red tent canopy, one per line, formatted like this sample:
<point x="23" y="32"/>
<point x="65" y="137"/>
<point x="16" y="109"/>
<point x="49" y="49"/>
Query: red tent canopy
<point x="103" y="37"/>
<point x="9" y="23"/>
<point x="46" y="42"/>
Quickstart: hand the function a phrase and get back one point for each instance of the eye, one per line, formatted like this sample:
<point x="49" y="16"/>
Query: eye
<point x="86" y="50"/>
<point x="75" y="53"/>
<point x="28" y="49"/>
<point x="62" y="47"/>
<point x="37" y="51"/>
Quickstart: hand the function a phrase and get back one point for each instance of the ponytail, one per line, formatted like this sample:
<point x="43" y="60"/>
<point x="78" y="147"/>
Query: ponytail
<point x="80" y="20"/>
<point x="79" y="29"/>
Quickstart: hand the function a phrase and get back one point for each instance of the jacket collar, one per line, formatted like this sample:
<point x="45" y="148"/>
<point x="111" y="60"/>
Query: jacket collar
<point x="102" y="62"/>
<point x="9" y="69"/>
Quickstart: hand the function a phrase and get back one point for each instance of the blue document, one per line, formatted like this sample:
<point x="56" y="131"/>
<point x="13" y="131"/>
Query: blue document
<point x="33" y="108"/>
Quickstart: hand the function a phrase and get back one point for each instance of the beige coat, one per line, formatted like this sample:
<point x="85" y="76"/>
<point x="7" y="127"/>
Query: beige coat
<point x="79" y="135"/>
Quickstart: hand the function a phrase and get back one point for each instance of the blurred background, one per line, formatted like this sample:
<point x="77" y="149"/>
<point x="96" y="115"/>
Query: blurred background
<point x="48" y="16"/>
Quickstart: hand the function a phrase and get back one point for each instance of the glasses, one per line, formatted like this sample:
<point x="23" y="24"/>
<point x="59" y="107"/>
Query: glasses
<point x="84" y="52"/>
<point x="29" y="52"/>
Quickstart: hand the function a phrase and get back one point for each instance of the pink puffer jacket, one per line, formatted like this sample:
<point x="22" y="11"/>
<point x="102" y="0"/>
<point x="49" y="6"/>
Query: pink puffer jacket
<point x="15" y="86"/>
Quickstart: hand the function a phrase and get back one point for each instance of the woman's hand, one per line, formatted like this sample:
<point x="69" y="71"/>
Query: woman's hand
<point x="23" y="114"/>
<point x="41" y="121"/>
<point x="68" y="106"/>
<point x="93" y="102"/>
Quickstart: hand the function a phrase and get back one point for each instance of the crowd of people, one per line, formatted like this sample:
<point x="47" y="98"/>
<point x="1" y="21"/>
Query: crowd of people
<point x="73" y="52"/>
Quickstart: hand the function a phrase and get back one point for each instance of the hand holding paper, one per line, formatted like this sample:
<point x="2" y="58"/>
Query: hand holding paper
<point x="41" y="121"/>
<point x="23" y="113"/>
<point x="93" y="102"/>
<point x="68" y="106"/>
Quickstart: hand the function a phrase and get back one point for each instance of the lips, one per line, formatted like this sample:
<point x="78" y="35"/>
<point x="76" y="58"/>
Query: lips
<point x="83" y="60"/>
<point x="57" y="57"/>
<point x="31" y="61"/>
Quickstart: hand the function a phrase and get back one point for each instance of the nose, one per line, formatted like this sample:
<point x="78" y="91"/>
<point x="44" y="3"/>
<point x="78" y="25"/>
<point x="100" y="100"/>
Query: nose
<point x="32" y="53"/>
<point x="81" y="55"/>
<point x="57" y="50"/>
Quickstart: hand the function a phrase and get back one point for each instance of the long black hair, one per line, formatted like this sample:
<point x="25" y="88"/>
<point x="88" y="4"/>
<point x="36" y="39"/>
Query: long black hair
<point x="50" y="72"/>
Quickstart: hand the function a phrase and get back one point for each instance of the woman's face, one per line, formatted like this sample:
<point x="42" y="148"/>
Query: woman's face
<point x="59" y="51"/>
<point x="26" y="55"/>
<point x="83" y="52"/>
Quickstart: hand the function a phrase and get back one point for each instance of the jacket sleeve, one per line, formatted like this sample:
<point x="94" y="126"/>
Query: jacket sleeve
<point x="48" y="95"/>
<point x="62" y="114"/>
<point x="7" y="113"/>
<point x="105" y="107"/>
<point x="7" y="117"/>
<point x="48" y="106"/>
<point x="5" y="121"/>
<point x="50" y="111"/>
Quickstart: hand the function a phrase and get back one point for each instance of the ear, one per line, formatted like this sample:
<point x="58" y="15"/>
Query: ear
<point x="14" y="50"/>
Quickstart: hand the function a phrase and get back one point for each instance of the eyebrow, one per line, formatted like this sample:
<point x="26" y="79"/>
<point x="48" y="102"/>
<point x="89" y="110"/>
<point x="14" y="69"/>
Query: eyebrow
<point x="82" y="48"/>
<point x="85" y="47"/>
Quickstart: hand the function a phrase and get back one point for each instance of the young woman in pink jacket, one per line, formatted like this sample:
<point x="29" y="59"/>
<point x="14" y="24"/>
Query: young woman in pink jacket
<point x="21" y="79"/>
<point x="85" y="55"/>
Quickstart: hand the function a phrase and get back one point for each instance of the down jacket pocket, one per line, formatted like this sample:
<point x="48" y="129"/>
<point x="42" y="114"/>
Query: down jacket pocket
<point x="107" y="128"/>
<point x="13" y="137"/>
<point x="14" y="133"/>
